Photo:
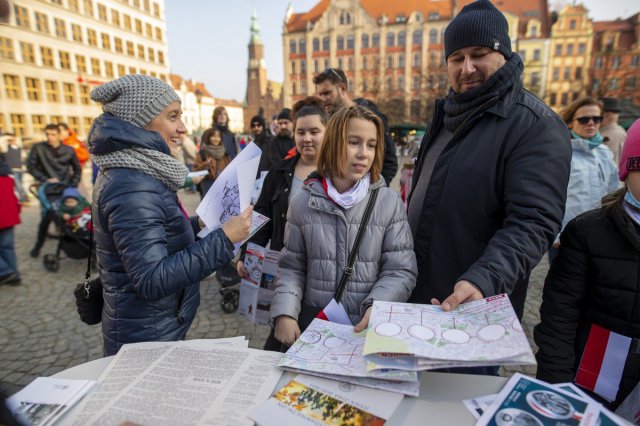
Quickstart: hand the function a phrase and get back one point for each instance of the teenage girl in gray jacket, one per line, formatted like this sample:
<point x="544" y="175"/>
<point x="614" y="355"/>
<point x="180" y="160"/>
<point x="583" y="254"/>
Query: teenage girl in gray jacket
<point x="322" y="223"/>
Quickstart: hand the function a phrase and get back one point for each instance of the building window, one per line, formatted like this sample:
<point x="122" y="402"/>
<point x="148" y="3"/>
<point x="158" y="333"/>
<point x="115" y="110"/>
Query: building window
<point x="117" y="41"/>
<point x="22" y="16"/>
<point x="567" y="73"/>
<point x="364" y="63"/>
<point x="390" y="61"/>
<point x="303" y="66"/>
<point x="160" y="57"/>
<point x="365" y="86"/>
<point x="87" y="122"/>
<point x="536" y="54"/>
<point x="102" y="12"/>
<point x="564" y="99"/>
<point x="302" y="46"/>
<point x="534" y="31"/>
<point x="375" y="40"/>
<point x="434" y="16"/>
<point x="558" y="50"/>
<point x="106" y="41"/>
<point x="95" y="66"/>
<point x="303" y="87"/>
<point x="417" y="37"/>
<point x="556" y="74"/>
<point x="401" y="82"/>
<point x="51" y="88"/>
<point x="19" y="123"/>
<point x="152" y="54"/>
<point x="350" y="63"/>
<point x="340" y="63"/>
<point x="148" y="30"/>
<point x="138" y="26"/>
<point x="3" y="124"/>
<point x="635" y="60"/>
<point x="47" y="56"/>
<point x="74" y="123"/>
<point x="141" y="51"/>
<point x="76" y="32"/>
<point x="315" y="66"/>
<point x="147" y="6"/>
<point x="400" y="60"/>
<point x="115" y="18"/>
<point x="325" y="44"/>
<point x="365" y="41"/>
<point x="65" y="60"/>
<point x="598" y="63"/>
<point x="416" y="82"/>
<point x="293" y="67"/>
<point x="569" y="49"/>
<point x="74" y="5"/>
<point x="389" y="83"/>
<point x="28" y="53"/>
<point x="12" y="86"/>
<point x="350" y="42"/>
<point x="42" y="23"/>
<point x="523" y="55"/>
<point x="121" y="70"/>
<point x="316" y="44"/>
<point x="293" y="46"/>
<point x="402" y="38"/>
<point x="613" y="84"/>
<point x="574" y="96"/>
<point x="535" y="80"/>
<point x="578" y="73"/>
<point x="631" y="83"/>
<point x="340" y="43"/>
<point x="158" y="33"/>
<point x="391" y="39"/>
<point x="37" y="123"/>
<point x="127" y="22"/>
<point x="33" y="89"/>
<point x="582" y="48"/>
<point x="69" y="93"/>
<point x="156" y="9"/>
<point x="416" y="60"/>
<point x="293" y="88"/>
<point x="433" y="36"/>
<point x="130" y="49"/>
<point x="616" y="62"/>
<point x="92" y="38"/>
<point x="6" y="48"/>
<point x="108" y="69"/>
<point x="572" y="24"/>
<point x="326" y="64"/>
<point x="61" y="28"/>
<point x="88" y="7"/>
<point x="81" y="64"/>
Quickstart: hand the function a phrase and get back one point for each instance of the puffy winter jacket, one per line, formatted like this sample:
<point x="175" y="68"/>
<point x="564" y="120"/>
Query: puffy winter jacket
<point x="149" y="260"/>
<point x="595" y="279"/>
<point x="46" y="162"/>
<point x="318" y="238"/>
<point x="593" y="175"/>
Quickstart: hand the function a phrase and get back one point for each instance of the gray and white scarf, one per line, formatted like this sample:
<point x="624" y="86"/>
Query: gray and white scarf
<point x="161" y="166"/>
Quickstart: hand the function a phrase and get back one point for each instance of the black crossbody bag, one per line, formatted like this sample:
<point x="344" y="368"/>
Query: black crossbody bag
<point x="88" y="294"/>
<point x="309" y="312"/>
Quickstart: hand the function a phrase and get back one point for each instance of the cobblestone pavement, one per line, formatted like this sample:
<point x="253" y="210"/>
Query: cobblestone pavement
<point x="41" y="333"/>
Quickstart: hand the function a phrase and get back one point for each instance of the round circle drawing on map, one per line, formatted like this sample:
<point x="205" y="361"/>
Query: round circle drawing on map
<point x="388" y="329"/>
<point x="455" y="336"/>
<point x="516" y="325"/>
<point x="492" y="332"/>
<point x="550" y="404"/>
<point x="333" y="342"/>
<point x="310" y="336"/>
<point x="256" y="274"/>
<point x="421" y="332"/>
<point x="515" y="417"/>
<point x="347" y="387"/>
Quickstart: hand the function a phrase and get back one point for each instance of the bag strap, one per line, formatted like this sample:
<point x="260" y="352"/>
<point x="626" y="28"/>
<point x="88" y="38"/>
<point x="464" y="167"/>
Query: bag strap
<point x="356" y="246"/>
<point x="88" y="273"/>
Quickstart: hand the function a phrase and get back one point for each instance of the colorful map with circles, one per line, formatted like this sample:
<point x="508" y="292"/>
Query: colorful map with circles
<point x="484" y="330"/>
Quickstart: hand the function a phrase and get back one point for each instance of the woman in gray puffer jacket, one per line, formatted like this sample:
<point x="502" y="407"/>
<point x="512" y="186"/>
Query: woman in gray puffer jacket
<point x="322" y="224"/>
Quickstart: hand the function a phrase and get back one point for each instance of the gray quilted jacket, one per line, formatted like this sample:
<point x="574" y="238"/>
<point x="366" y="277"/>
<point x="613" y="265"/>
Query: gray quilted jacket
<point x="318" y="237"/>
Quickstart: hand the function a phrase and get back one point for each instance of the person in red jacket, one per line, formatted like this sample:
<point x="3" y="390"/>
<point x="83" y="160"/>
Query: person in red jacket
<point x="9" y="217"/>
<point x="70" y="138"/>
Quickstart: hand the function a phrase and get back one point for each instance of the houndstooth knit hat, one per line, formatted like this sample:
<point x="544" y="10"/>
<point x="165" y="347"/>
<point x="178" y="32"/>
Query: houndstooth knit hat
<point x="478" y="24"/>
<point x="135" y="98"/>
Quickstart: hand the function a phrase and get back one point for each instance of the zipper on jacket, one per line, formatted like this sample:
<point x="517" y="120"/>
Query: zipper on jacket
<point x="179" y="300"/>
<point x="600" y="172"/>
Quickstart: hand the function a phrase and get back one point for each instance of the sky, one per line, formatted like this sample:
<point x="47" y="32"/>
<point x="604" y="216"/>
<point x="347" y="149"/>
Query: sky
<point x="208" y="38"/>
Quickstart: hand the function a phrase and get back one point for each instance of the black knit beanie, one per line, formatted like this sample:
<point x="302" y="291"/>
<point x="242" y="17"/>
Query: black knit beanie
<point x="285" y="114"/>
<point x="478" y="24"/>
<point x="257" y="119"/>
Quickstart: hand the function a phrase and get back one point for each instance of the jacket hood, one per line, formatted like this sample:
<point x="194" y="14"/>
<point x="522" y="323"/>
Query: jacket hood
<point x="314" y="185"/>
<point x="111" y="134"/>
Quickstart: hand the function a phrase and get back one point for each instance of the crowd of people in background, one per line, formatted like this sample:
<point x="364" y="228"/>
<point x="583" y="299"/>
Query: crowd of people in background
<point x="498" y="181"/>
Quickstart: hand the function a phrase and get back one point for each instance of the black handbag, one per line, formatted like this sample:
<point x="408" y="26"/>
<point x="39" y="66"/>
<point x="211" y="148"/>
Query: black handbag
<point x="88" y="294"/>
<point x="309" y="312"/>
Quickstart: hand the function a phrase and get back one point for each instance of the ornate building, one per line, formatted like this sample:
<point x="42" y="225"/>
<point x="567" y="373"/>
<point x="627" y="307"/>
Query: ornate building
<point x="263" y="96"/>
<point x="53" y="53"/>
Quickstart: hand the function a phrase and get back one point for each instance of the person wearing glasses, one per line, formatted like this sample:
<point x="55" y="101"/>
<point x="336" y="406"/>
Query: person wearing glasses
<point x="332" y="87"/>
<point x="593" y="172"/>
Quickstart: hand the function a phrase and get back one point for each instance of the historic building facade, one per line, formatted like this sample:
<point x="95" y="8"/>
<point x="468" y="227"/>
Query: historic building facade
<point x="52" y="53"/>
<point x="263" y="96"/>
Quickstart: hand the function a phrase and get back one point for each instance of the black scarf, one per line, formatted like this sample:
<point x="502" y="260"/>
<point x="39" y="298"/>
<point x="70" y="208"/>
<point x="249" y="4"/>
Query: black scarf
<point x="458" y="107"/>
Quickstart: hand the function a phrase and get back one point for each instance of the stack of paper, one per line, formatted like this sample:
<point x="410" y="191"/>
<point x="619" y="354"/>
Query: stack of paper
<point x="334" y="351"/>
<point x="403" y="336"/>
<point x="528" y="401"/>
<point x="45" y="399"/>
<point x="309" y="400"/>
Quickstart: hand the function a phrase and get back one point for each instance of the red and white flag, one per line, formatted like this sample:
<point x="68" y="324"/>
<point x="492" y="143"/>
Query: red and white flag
<point x="603" y="361"/>
<point x="335" y="312"/>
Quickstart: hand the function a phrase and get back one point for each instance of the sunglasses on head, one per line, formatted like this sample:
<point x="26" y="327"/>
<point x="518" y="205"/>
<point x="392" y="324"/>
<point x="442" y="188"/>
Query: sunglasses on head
<point x="330" y="71"/>
<point x="597" y="119"/>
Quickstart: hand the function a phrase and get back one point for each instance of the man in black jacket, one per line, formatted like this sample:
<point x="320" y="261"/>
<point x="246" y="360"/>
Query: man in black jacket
<point x="332" y="87"/>
<point x="490" y="182"/>
<point x="52" y="162"/>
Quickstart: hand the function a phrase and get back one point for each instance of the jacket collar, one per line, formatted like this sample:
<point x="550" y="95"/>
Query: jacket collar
<point x="314" y="185"/>
<point x="626" y="225"/>
<point x="109" y="134"/>
<point x="504" y="106"/>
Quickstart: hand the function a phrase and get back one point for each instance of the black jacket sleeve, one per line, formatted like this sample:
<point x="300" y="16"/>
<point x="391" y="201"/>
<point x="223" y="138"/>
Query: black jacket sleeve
<point x="74" y="179"/>
<point x="33" y="166"/>
<point x="264" y="207"/>
<point x="390" y="164"/>
<point x="562" y="298"/>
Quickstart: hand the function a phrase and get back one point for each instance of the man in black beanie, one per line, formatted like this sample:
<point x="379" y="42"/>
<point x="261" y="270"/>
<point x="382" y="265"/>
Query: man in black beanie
<point x="280" y="145"/>
<point x="491" y="177"/>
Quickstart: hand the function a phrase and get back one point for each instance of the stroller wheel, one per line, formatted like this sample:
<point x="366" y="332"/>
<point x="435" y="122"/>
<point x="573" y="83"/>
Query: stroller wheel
<point x="51" y="263"/>
<point x="229" y="302"/>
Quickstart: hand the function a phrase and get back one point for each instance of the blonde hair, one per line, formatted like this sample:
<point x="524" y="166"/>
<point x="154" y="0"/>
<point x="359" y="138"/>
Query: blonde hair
<point x="334" y="147"/>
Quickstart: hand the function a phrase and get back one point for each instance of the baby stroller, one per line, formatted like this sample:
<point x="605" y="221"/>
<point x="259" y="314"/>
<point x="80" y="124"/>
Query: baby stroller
<point x="73" y="238"/>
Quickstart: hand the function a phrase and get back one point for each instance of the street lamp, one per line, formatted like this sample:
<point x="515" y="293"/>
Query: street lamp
<point x="198" y="94"/>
